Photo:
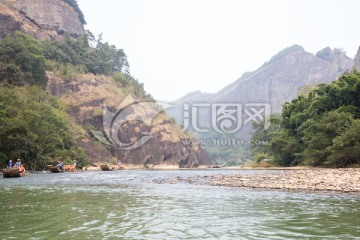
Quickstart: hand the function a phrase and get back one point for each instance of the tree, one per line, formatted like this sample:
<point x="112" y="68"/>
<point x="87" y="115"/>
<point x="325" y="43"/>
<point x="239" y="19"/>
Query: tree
<point x="319" y="136"/>
<point x="22" y="61"/>
<point x="34" y="127"/>
<point x="345" y="149"/>
<point x="96" y="56"/>
<point x="265" y="135"/>
<point x="284" y="148"/>
<point x="318" y="128"/>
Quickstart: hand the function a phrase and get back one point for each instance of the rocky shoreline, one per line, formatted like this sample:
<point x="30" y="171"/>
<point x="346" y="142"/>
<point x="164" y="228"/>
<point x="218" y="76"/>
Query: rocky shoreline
<point x="341" y="180"/>
<point x="335" y="180"/>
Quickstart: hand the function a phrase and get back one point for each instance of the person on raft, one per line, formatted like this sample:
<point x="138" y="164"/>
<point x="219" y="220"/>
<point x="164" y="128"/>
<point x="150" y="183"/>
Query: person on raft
<point x="75" y="163"/>
<point x="60" y="165"/>
<point x="19" y="166"/>
<point x="10" y="164"/>
<point x="18" y="163"/>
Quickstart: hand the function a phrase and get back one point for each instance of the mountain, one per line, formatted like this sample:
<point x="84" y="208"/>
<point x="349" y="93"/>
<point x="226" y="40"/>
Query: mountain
<point x="279" y="80"/>
<point x="276" y="81"/>
<point x="109" y="115"/>
<point x="255" y="95"/>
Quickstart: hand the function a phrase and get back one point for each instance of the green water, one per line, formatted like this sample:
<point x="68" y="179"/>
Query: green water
<point x="129" y="205"/>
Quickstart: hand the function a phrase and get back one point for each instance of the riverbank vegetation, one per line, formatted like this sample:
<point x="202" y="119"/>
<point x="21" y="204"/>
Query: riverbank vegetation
<point x="35" y="128"/>
<point x="318" y="128"/>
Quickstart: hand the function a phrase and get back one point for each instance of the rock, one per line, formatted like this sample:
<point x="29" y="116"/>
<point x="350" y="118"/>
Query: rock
<point x="87" y="94"/>
<point x="43" y="19"/>
<point x="314" y="180"/>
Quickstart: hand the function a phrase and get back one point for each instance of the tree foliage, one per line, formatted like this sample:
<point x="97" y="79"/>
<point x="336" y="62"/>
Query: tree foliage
<point x="319" y="129"/>
<point x="34" y="127"/>
<point x="21" y="60"/>
<point x="93" y="54"/>
<point x="346" y="147"/>
<point x="132" y="85"/>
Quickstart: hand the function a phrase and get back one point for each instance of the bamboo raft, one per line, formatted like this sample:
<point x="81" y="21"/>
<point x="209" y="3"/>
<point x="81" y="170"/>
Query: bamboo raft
<point x="54" y="169"/>
<point x="66" y="168"/>
<point x="106" y="167"/>
<point x="14" y="173"/>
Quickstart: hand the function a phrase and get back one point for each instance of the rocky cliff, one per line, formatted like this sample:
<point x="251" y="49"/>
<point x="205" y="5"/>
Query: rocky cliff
<point x="160" y="141"/>
<point x="279" y="80"/>
<point x="43" y="19"/>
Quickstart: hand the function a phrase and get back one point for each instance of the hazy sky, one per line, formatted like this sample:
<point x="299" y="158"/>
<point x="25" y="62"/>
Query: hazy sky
<point x="179" y="46"/>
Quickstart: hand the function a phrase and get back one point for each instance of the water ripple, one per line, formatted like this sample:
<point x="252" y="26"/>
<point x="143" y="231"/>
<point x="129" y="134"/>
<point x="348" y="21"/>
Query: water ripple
<point x="129" y="205"/>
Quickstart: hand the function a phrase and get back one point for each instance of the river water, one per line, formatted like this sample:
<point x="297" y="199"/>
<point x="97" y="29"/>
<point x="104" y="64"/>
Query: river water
<point x="132" y="205"/>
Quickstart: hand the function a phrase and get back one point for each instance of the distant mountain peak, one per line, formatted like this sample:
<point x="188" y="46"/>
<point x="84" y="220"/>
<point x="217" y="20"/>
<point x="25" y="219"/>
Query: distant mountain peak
<point x="285" y="52"/>
<point x="190" y="95"/>
<point x="337" y="57"/>
<point x="328" y="53"/>
<point x="288" y="51"/>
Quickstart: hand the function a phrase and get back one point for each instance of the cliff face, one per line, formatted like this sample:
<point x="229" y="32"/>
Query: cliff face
<point x="279" y="80"/>
<point x="166" y="143"/>
<point x="43" y="19"/>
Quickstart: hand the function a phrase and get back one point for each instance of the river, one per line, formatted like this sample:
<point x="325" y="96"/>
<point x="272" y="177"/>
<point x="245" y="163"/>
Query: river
<point x="132" y="205"/>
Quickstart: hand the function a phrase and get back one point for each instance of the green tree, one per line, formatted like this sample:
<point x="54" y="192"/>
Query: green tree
<point x="284" y="148"/>
<point x="319" y="136"/>
<point x="21" y="60"/>
<point x="96" y="56"/>
<point x="34" y="127"/>
<point x="314" y="126"/>
<point x="345" y="149"/>
<point x="265" y="135"/>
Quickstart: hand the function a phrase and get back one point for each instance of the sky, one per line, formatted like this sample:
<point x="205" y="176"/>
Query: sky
<point x="179" y="46"/>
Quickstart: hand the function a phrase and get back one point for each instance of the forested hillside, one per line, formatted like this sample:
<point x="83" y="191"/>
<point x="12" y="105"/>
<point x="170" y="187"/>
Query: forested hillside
<point x="321" y="127"/>
<point x="34" y="124"/>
